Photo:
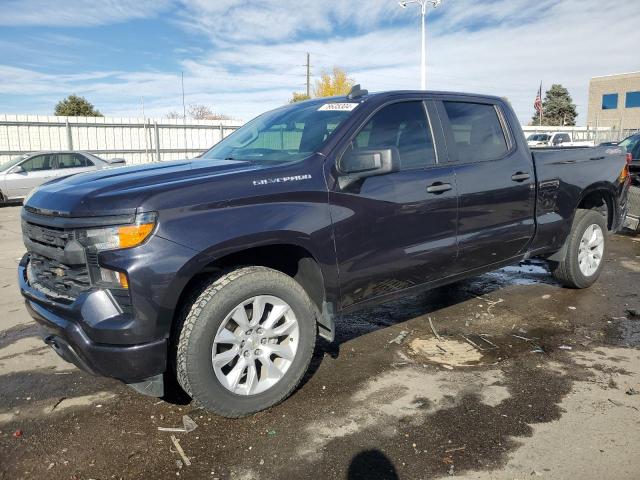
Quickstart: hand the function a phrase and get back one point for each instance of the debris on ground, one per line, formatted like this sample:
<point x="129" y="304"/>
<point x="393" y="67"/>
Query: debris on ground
<point x="565" y="347"/>
<point x="188" y="426"/>
<point x="180" y="451"/>
<point x="448" y="352"/>
<point x="17" y="434"/>
<point x="400" y="338"/>
<point x="571" y="308"/>
<point x="632" y="391"/>
<point x="434" y="330"/>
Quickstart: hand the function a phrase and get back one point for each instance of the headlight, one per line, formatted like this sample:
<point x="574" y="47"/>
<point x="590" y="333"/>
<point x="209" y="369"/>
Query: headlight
<point x="97" y="240"/>
<point x="122" y="236"/>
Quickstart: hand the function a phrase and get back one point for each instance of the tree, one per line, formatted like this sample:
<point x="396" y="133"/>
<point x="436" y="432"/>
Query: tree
<point x="198" y="112"/>
<point x="299" y="97"/>
<point x="75" y="106"/>
<point x="333" y="84"/>
<point x="558" y="108"/>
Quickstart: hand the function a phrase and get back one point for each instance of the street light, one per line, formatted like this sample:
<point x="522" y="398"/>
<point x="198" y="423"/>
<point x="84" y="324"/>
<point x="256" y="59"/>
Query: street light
<point x="424" y="4"/>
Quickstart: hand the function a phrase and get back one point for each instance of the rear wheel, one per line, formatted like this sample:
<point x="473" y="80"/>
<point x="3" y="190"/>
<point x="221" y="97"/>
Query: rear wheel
<point x="246" y="341"/>
<point x="584" y="256"/>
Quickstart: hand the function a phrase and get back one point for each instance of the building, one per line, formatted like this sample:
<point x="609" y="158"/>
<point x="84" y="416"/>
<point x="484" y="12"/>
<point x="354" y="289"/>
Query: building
<point x="614" y="101"/>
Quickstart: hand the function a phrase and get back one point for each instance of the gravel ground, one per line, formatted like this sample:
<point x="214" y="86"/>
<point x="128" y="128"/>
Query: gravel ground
<point x="527" y="380"/>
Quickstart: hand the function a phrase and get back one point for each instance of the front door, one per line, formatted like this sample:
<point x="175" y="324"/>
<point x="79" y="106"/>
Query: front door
<point x="397" y="230"/>
<point x="30" y="174"/>
<point x="496" y="184"/>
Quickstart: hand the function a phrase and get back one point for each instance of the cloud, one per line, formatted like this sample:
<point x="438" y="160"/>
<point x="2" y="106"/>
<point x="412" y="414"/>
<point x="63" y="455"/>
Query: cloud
<point x="256" y="52"/>
<point x="77" y="13"/>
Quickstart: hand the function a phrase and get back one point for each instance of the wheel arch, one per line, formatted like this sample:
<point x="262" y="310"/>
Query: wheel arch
<point x="290" y="256"/>
<point x="601" y="197"/>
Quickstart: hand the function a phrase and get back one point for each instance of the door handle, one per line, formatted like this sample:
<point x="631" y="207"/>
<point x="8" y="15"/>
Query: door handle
<point x="520" y="176"/>
<point x="439" y="187"/>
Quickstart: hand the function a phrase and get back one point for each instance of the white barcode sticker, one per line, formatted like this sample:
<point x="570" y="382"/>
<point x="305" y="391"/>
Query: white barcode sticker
<point x="338" y="107"/>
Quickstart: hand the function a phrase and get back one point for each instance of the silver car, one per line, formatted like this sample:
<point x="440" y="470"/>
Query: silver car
<point x="23" y="173"/>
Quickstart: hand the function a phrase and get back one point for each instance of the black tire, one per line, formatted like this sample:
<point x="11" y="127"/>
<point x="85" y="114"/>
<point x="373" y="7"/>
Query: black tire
<point x="202" y="319"/>
<point x="567" y="270"/>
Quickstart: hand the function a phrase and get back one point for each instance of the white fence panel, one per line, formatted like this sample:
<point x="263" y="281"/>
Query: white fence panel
<point x="137" y="140"/>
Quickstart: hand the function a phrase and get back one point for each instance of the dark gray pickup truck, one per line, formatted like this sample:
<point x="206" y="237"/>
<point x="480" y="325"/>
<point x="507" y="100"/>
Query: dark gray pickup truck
<point x="221" y="271"/>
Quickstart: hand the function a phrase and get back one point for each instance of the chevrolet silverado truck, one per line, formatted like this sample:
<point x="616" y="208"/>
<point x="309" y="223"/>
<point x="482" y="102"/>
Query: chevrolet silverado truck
<point x="221" y="271"/>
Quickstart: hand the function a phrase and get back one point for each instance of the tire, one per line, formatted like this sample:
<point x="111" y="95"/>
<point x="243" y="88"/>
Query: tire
<point x="568" y="271"/>
<point x="212" y="316"/>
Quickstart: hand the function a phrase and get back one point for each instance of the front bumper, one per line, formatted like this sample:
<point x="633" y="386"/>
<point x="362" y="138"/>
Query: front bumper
<point x="92" y="334"/>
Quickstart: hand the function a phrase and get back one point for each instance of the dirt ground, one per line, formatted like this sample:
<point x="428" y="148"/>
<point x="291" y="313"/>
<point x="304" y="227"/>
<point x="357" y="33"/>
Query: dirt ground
<point x="527" y="380"/>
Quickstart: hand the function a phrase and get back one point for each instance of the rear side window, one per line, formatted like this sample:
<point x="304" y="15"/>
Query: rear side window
<point x="73" y="160"/>
<point x="477" y="131"/>
<point x="404" y="126"/>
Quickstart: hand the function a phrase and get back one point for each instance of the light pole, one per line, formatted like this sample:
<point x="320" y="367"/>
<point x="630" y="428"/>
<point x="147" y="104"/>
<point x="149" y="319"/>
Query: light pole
<point x="424" y="4"/>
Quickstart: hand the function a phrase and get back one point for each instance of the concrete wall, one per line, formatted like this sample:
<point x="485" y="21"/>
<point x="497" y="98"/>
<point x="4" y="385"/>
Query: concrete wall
<point x="135" y="139"/>
<point x="620" y="118"/>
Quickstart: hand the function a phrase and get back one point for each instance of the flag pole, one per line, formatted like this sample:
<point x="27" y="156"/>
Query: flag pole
<point x="540" y="103"/>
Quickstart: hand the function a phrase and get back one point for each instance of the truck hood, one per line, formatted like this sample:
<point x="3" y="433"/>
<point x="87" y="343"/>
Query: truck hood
<point x="116" y="191"/>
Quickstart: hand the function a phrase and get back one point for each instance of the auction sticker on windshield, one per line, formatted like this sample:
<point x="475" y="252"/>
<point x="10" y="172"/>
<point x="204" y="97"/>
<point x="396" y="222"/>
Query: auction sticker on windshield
<point x="339" y="107"/>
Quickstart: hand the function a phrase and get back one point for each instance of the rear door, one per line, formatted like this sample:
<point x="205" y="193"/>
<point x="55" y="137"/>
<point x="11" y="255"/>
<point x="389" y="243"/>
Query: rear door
<point x="35" y="171"/>
<point x="496" y="183"/>
<point x="397" y="230"/>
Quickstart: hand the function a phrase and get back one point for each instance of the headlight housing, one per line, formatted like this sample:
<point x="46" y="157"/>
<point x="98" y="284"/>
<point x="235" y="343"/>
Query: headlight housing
<point x="96" y="240"/>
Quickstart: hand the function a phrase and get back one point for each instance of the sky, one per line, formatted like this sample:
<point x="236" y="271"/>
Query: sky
<point x="244" y="57"/>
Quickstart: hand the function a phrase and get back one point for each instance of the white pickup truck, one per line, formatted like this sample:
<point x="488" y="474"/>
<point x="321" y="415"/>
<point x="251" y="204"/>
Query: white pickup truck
<point x="556" y="139"/>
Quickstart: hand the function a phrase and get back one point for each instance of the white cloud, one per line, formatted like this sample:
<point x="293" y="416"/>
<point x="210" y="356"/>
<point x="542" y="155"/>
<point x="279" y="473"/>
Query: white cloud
<point x="502" y="47"/>
<point x="76" y="13"/>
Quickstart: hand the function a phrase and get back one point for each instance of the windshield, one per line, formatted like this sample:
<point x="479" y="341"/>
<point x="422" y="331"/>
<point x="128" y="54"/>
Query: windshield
<point x="630" y="143"/>
<point x="282" y="135"/>
<point x="14" y="161"/>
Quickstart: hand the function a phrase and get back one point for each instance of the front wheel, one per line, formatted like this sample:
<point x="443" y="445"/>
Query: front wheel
<point x="585" y="249"/>
<point x="246" y="341"/>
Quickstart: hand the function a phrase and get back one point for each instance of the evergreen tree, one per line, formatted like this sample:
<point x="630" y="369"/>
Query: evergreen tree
<point x="558" y="108"/>
<point x="75" y="106"/>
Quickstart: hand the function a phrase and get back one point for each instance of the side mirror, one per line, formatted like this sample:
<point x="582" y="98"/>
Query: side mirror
<point x="359" y="163"/>
<point x="116" y="161"/>
<point x="18" y="169"/>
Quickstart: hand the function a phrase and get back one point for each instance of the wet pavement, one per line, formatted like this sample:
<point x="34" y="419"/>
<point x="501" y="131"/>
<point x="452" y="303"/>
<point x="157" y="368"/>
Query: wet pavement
<point x="524" y="379"/>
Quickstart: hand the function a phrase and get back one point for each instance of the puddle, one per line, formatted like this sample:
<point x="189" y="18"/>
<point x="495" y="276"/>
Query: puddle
<point x="527" y="273"/>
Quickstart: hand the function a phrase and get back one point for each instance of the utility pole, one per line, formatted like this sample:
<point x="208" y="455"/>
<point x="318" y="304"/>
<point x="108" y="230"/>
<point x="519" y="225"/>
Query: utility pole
<point x="184" y="117"/>
<point x="308" y="75"/>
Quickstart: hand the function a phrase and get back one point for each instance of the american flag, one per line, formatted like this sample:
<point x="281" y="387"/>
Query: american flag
<point x="538" y="103"/>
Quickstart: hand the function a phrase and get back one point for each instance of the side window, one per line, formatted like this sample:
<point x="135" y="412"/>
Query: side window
<point x="37" y="163"/>
<point x="72" y="160"/>
<point x="565" y="137"/>
<point x="404" y="126"/>
<point x="82" y="161"/>
<point x="476" y="130"/>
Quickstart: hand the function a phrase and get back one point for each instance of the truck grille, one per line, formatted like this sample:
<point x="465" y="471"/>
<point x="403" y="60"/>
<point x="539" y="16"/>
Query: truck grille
<point x="49" y="269"/>
<point x="57" y="279"/>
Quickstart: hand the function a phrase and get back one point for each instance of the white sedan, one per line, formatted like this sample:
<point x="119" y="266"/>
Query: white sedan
<point x="24" y="173"/>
